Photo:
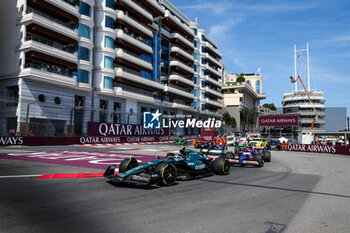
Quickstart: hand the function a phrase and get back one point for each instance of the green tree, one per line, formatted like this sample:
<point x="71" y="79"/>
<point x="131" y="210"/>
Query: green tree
<point x="228" y="119"/>
<point x="240" y="79"/>
<point x="270" y="106"/>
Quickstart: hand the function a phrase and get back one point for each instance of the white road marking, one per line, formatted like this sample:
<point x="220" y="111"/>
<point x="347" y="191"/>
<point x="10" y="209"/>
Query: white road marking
<point x="19" y="176"/>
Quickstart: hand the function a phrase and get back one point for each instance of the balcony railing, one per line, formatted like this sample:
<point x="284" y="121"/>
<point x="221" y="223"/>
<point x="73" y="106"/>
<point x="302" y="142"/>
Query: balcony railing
<point x="72" y="26"/>
<point x="72" y="2"/>
<point x="51" y="69"/>
<point x="50" y="43"/>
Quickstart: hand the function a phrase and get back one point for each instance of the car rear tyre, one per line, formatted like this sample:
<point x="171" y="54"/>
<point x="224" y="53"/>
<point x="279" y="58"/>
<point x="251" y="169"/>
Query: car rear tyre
<point x="167" y="174"/>
<point x="221" y="166"/>
<point x="260" y="160"/>
<point x="128" y="164"/>
<point x="267" y="156"/>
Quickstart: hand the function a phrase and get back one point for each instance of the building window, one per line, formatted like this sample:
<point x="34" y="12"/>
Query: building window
<point x="108" y="62"/>
<point x="146" y="58"/>
<point x="103" y="110"/>
<point x="203" y="60"/>
<point x="42" y="98"/>
<point x="202" y="72"/>
<point x="194" y="79"/>
<point x="194" y="92"/>
<point x="203" y="37"/>
<point x="195" y="55"/>
<point x="83" y="76"/>
<point x="57" y="100"/>
<point x="109" y="42"/>
<point x="110" y="3"/>
<point x="84" y="31"/>
<point x="203" y="49"/>
<point x="146" y="75"/>
<point x="257" y="86"/>
<point x="203" y="83"/>
<point x="202" y="95"/>
<point x="195" y="68"/>
<point x="85" y="9"/>
<point x="108" y="83"/>
<point x="83" y="54"/>
<point x="109" y="22"/>
<point x="203" y="107"/>
<point x="194" y="30"/>
<point x="116" y="113"/>
<point x="195" y="43"/>
<point x="194" y="104"/>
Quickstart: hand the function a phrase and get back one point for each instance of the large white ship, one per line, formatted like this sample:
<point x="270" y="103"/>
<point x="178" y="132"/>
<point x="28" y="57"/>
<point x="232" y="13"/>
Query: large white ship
<point x="297" y="102"/>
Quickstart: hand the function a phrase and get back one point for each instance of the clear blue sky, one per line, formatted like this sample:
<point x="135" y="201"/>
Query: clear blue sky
<point x="257" y="33"/>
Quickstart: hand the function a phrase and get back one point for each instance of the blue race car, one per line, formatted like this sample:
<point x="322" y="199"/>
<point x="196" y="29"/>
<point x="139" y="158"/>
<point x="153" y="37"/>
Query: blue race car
<point x="188" y="164"/>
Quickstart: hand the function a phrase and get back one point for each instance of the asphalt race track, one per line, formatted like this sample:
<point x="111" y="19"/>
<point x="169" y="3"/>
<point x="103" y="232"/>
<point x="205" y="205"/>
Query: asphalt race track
<point x="296" y="192"/>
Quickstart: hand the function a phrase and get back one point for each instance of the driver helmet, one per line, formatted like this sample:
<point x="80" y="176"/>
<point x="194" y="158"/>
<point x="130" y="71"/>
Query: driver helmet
<point x="177" y="157"/>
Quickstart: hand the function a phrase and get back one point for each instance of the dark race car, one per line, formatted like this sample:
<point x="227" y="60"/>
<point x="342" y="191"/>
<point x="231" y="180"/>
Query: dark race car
<point x="213" y="149"/>
<point x="247" y="157"/>
<point x="201" y="144"/>
<point x="274" y="144"/>
<point x="188" y="164"/>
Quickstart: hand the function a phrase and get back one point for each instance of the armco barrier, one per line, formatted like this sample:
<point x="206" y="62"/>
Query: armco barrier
<point x="316" y="148"/>
<point x="44" y="141"/>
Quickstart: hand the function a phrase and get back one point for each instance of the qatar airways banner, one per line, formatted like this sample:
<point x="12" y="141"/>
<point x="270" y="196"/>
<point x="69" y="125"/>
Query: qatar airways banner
<point x="122" y="130"/>
<point x="41" y="141"/>
<point x="316" y="148"/>
<point x="278" y="120"/>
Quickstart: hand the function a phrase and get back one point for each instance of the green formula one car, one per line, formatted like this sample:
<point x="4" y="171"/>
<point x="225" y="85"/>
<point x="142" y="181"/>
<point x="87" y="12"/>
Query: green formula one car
<point x="181" y="141"/>
<point x="188" y="164"/>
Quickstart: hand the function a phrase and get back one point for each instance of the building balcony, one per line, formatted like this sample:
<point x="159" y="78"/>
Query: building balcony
<point x="131" y="6"/>
<point x="133" y="24"/>
<point x="40" y="20"/>
<point x="68" y="6"/>
<point x="211" y="71"/>
<point x="214" y="93"/>
<point x="242" y="87"/>
<point x="52" y="77"/>
<point x="304" y="105"/>
<point x="213" y="103"/>
<point x="49" y="48"/>
<point x="311" y="113"/>
<point x="213" y="82"/>
<point x="136" y="79"/>
<point x="171" y="91"/>
<point x="180" y="53"/>
<point x="212" y="61"/>
<point x="210" y="41"/>
<point x="123" y="37"/>
<point x="178" y="39"/>
<point x="123" y="93"/>
<point x="154" y="7"/>
<point x="181" y="81"/>
<point x="215" y="52"/>
<point x="131" y="60"/>
<point x="184" y="107"/>
<point x="174" y="22"/>
<point x="261" y="96"/>
<point x="181" y="67"/>
<point x="302" y="98"/>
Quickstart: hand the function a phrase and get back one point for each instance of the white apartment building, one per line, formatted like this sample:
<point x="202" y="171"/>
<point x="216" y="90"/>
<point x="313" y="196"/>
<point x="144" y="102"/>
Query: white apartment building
<point x="65" y="63"/>
<point x="243" y="99"/>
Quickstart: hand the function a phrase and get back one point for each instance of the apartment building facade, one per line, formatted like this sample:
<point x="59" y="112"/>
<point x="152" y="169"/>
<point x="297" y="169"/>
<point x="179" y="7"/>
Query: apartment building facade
<point x="69" y="62"/>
